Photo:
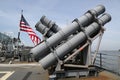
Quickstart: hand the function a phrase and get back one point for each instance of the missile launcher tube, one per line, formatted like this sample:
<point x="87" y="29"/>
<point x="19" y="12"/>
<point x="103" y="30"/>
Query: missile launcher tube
<point x="47" y="27"/>
<point x="71" y="44"/>
<point x="43" y="49"/>
<point x="43" y="29"/>
<point x="50" y="24"/>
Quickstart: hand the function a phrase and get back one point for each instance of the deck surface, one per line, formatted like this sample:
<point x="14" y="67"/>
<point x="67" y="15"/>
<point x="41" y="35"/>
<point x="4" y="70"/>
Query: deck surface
<point x="34" y="71"/>
<point x="22" y="72"/>
<point x="104" y="75"/>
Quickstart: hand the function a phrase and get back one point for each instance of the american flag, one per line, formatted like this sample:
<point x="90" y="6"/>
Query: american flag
<point x="24" y="26"/>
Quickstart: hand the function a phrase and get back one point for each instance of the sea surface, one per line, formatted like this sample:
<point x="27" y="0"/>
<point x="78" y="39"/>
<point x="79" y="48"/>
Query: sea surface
<point x="110" y="60"/>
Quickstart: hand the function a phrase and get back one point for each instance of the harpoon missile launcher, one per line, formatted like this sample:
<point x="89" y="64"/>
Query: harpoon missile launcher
<point x="67" y="51"/>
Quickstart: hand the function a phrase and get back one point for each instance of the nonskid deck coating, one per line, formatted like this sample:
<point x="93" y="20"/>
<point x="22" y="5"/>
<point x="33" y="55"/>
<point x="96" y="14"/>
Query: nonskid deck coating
<point x="34" y="71"/>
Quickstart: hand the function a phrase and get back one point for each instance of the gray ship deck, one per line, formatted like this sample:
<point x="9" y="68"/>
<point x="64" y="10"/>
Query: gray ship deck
<point x="22" y="72"/>
<point x="34" y="71"/>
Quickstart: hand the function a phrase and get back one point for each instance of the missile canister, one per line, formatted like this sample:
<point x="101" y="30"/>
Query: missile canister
<point x="43" y="49"/>
<point x="71" y="44"/>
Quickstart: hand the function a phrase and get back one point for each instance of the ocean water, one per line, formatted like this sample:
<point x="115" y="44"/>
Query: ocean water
<point x="110" y="60"/>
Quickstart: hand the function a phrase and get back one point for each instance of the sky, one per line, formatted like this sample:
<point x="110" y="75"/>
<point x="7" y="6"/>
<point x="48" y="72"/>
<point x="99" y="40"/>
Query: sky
<point x="60" y="11"/>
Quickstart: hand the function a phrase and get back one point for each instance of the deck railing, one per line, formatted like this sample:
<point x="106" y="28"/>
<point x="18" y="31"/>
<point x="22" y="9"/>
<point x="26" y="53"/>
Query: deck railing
<point x="109" y="62"/>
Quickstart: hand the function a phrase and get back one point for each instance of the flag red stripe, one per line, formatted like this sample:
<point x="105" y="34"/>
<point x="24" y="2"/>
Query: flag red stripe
<point x="24" y="26"/>
<point x="26" y="30"/>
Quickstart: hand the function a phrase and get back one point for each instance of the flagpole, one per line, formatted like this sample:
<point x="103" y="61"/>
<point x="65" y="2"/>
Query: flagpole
<point x="18" y="39"/>
<point x="19" y="26"/>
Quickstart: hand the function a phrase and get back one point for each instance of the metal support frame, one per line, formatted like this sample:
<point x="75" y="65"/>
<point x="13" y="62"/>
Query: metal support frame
<point x="86" y="44"/>
<point x="90" y="61"/>
<point x="98" y="45"/>
<point x="87" y="62"/>
<point x="60" y="62"/>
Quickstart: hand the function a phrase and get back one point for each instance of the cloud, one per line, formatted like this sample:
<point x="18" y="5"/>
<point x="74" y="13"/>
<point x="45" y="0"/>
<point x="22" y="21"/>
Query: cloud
<point x="61" y="12"/>
<point x="2" y="13"/>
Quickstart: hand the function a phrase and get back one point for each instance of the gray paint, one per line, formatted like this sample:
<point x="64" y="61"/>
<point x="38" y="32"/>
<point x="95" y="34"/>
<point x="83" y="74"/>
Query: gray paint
<point x="43" y="29"/>
<point x="50" y="24"/>
<point x="46" y="27"/>
<point x="43" y="49"/>
<point x="71" y="44"/>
